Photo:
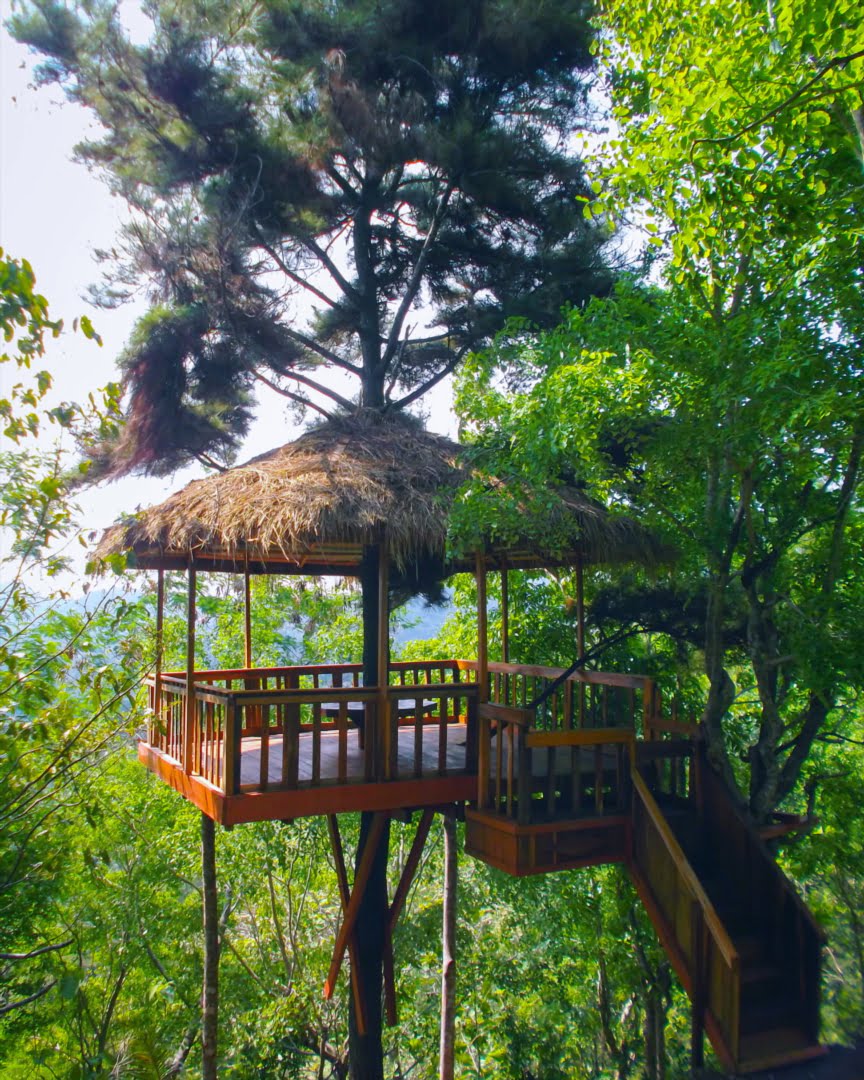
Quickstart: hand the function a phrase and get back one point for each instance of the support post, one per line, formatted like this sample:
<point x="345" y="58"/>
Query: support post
<point x="189" y="726"/>
<point x="156" y="721"/>
<point x="247" y="616"/>
<point x="482" y="629"/>
<point x="580" y="609"/>
<point x="382" y="738"/>
<point x="505" y="620"/>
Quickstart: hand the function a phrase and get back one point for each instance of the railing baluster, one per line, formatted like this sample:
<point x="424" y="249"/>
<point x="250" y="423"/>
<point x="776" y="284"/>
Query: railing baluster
<point x="263" y="715"/>
<point x="316" y="741"/>
<point x="418" y="737"/>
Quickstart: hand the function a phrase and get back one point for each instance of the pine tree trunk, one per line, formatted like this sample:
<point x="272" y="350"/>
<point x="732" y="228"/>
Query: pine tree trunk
<point x="448" y="965"/>
<point x="210" y="996"/>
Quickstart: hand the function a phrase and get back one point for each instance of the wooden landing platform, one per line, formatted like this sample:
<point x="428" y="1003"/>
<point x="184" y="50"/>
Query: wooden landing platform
<point x="328" y="795"/>
<point x="567" y="844"/>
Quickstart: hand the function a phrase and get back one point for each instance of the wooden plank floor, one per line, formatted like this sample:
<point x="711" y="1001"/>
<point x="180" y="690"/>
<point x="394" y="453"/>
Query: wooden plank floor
<point x="250" y="760"/>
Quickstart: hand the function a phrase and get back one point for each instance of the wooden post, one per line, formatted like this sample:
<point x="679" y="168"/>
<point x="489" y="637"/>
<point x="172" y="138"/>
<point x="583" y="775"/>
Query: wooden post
<point x="580" y="610"/>
<point x="482" y="629"/>
<point x="189" y="733"/>
<point x="157" y="681"/>
<point x="505" y="619"/>
<point x="247" y="616"/>
<point x="381" y="740"/>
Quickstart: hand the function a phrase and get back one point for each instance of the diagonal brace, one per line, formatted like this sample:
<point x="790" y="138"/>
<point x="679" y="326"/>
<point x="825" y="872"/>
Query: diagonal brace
<point x="351" y="901"/>
<point x="399" y="898"/>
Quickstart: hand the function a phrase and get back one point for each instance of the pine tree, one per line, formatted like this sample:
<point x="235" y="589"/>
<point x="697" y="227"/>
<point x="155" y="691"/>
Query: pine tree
<point x="370" y="187"/>
<point x="366" y="187"/>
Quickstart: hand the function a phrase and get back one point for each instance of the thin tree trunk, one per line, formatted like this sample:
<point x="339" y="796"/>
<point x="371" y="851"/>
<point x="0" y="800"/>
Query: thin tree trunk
<point x="210" y="996"/>
<point x="448" y="961"/>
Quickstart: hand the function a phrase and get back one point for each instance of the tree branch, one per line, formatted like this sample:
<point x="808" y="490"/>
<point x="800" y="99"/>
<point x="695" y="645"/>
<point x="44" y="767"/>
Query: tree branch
<point x="836" y="62"/>
<point x="36" y="952"/>
<point x="416" y="278"/>
<point x="448" y="369"/>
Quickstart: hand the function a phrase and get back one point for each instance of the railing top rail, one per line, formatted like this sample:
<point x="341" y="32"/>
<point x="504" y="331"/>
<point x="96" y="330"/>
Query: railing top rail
<point x="264" y="672"/>
<point x="444" y="689"/>
<point x="508" y="714"/>
<point x="711" y="919"/>
<point x="581" y="675"/>
<point x="580" y="737"/>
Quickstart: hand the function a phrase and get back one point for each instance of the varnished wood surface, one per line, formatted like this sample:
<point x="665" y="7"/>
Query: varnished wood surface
<point x="250" y="756"/>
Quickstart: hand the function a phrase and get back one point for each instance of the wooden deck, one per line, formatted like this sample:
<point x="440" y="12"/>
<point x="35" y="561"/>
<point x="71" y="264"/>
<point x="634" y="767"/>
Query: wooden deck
<point x="355" y="758"/>
<point x="327" y="794"/>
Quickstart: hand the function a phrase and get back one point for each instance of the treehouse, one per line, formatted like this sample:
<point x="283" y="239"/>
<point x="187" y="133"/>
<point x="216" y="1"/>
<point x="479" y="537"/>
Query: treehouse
<point x="553" y="769"/>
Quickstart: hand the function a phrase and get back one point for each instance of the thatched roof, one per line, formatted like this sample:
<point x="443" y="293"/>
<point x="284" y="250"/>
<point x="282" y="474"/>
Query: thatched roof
<point x="311" y="505"/>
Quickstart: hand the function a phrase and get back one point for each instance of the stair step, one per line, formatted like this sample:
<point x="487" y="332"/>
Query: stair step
<point x="751" y="949"/>
<point x="774" y="1012"/>
<point x="775" y="1047"/>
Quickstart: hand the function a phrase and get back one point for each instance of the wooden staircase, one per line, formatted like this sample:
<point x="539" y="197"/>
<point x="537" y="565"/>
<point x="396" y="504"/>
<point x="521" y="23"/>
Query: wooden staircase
<point x="743" y="944"/>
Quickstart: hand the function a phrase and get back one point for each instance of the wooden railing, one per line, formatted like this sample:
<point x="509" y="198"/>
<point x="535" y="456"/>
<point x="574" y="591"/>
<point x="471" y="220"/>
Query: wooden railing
<point x="255" y="729"/>
<point x="687" y="918"/>
<point x="572" y="755"/>
<point x="741" y="857"/>
<point x="586" y="699"/>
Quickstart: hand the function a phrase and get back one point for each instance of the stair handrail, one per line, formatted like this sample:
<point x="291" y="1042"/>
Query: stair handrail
<point x="711" y="919"/>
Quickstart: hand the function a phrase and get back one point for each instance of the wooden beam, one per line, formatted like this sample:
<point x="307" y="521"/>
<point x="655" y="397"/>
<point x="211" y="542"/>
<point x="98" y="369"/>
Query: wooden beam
<point x="345" y="898"/>
<point x="410" y="869"/>
<point x="399" y="898"/>
<point x="189" y="732"/>
<point x="482" y="628"/>
<point x="349" y="918"/>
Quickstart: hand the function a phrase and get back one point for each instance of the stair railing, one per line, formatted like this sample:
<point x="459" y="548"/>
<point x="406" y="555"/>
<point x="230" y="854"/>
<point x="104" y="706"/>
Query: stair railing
<point x="698" y="944"/>
<point x="795" y="937"/>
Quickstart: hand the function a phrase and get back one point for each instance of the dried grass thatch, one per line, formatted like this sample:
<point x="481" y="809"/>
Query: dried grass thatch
<point x="314" y="503"/>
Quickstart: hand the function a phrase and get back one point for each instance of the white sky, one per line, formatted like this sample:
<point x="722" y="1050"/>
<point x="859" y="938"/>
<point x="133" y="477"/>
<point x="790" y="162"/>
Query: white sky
<point x="54" y="213"/>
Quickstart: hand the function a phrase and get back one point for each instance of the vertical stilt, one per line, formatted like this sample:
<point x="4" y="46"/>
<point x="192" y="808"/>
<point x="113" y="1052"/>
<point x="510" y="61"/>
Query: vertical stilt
<point x="446" y="1055"/>
<point x="210" y="993"/>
